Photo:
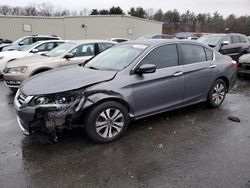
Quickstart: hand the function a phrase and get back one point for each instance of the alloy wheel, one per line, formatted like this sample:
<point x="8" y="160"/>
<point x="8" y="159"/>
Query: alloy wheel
<point x="109" y="123"/>
<point x="219" y="93"/>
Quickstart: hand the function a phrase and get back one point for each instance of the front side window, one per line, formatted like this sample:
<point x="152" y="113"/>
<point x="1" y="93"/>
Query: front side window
<point x="60" y="50"/>
<point x="26" y="41"/>
<point x="211" y="40"/>
<point x="193" y="53"/>
<point x="45" y="47"/>
<point x="163" y="56"/>
<point x="227" y="38"/>
<point x="83" y="50"/>
<point x="235" y="39"/>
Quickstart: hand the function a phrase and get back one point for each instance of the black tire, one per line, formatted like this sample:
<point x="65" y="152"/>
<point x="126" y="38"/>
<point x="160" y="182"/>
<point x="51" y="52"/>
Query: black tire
<point x="96" y="113"/>
<point x="212" y="94"/>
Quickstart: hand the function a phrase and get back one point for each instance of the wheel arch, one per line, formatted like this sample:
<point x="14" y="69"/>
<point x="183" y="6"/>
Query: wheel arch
<point x="225" y="79"/>
<point x="40" y="70"/>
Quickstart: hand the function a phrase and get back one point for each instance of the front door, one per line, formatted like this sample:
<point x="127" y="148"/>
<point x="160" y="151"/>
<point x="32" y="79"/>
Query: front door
<point x="155" y="92"/>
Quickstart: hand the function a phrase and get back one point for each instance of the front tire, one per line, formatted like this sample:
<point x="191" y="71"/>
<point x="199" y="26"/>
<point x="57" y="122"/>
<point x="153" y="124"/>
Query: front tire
<point x="106" y="122"/>
<point x="217" y="93"/>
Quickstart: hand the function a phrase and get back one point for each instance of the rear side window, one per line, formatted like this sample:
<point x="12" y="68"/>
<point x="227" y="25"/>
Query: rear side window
<point x="209" y="54"/>
<point x="243" y="39"/>
<point x="163" y="56"/>
<point x="193" y="53"/>
<point x="235" y="39"/>
<point x="104" y="46"/>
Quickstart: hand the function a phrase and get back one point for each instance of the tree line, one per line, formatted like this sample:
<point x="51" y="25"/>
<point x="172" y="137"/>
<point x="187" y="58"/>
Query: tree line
<point x="173" y="20"/>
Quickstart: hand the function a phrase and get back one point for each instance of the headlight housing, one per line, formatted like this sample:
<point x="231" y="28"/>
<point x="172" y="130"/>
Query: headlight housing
<point x="15" y="70"/>
<point x="56" y="100"/>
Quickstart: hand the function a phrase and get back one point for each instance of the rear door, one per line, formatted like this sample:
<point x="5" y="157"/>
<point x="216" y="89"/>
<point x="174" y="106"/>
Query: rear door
<point x="81" y="54"/>
<point x="199" y="71"/>
<point x="162" y="89"/>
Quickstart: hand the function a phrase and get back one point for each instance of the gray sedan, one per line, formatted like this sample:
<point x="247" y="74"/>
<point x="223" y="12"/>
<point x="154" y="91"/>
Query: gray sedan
<point x="127" y="82"/>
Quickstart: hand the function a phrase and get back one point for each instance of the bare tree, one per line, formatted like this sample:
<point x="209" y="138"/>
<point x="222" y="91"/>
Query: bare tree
<point x="5" y="10"/>
<point x="46" y="9"/>
<point x="84" y="12"/>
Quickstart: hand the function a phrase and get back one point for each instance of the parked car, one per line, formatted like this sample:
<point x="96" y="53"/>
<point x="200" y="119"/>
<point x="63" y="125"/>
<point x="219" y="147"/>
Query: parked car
<point x="25" y="41"/>
<point x="186" y="35"/>
<point x="6" y="41"/>
<point x="119" y="40"/>
<point x="69" y="53"/>
<point x="233" y="44"/>
<point x="39" y="47"/>
<point x="155" y="36"/>
<point x="3" y="45"/>
<point x="248" y="38"/>
<point x="244" y="65"/>
<point x="129" y="81"/>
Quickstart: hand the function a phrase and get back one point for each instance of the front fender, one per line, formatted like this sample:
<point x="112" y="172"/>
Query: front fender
<point x="91" y="98"/>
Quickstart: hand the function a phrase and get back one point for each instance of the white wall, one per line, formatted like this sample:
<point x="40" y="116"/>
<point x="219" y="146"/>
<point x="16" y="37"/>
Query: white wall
<point x="98" y="27"/>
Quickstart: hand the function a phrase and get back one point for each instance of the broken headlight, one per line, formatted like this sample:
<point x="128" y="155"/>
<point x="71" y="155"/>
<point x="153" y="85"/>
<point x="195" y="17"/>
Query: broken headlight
<point x="57" y="99"/>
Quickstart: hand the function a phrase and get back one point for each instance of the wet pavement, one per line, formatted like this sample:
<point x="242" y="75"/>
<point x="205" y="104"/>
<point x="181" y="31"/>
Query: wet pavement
<point x="191" y="147"/>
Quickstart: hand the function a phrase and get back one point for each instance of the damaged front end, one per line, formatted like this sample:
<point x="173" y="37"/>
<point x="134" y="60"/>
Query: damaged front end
<point x="49" y="113"/>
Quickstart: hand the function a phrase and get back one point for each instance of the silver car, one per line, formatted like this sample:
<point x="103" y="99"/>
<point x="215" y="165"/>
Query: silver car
<point x="69" y="53"/>
<point x="129" y="81"/>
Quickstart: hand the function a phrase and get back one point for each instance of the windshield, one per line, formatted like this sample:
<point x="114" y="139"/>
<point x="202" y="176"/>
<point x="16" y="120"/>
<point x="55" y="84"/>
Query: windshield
<point x="210" y="40"/>
<point x="117" y="57"/>
<point x="60" y="49"/>
<point x="29" y="47"/>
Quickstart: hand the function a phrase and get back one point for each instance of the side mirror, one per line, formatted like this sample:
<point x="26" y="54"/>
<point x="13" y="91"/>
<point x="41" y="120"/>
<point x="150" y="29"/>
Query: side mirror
<point x="34" y="51"/>
<point x="146" y="69"/>
<point x="225" y="43"/>
<point x="69" y="56"/>
<point x="21" y="43"/>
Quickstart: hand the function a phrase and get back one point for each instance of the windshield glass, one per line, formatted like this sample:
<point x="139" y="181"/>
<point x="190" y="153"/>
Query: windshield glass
<point x="210" y="40"/>
<point x="117" y="57"/>
<point x="60" y="49"/>
<point x="29" y="47"/>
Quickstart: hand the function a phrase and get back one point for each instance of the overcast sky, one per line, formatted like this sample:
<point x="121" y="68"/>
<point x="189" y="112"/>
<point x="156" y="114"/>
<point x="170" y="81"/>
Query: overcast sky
<point x="225" y="7"/>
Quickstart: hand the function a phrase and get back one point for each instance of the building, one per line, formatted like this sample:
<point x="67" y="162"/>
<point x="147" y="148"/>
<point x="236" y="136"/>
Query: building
<point x="78" y="27"/>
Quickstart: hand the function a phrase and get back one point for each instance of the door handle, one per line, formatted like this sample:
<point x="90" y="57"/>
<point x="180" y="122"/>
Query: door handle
<point x="178" y="73"/>
<point x="212" y="66"/>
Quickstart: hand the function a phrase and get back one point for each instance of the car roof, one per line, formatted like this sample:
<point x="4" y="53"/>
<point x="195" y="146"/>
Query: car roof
<point x="45" y="41"/>
<point x="90" y="41"/>
<point x="155" y="42"/>
<point x="50" y="36"/>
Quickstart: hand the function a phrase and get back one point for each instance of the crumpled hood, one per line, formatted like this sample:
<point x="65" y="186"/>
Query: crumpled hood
<point x="30" y="60"/>
<point x="64" y="79"/>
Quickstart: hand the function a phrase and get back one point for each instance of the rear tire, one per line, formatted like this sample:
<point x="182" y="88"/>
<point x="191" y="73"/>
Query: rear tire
<point x="217" y="93"/>
<point x="106" y="122"/>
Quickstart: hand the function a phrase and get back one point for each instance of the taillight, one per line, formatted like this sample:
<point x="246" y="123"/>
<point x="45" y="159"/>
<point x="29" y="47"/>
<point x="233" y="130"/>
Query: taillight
<point x="234" y="64"/>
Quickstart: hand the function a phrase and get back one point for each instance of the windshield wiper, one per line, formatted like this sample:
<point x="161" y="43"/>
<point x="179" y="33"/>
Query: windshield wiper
<point x="45" y="55"/>
<point x="94" y="68"/>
